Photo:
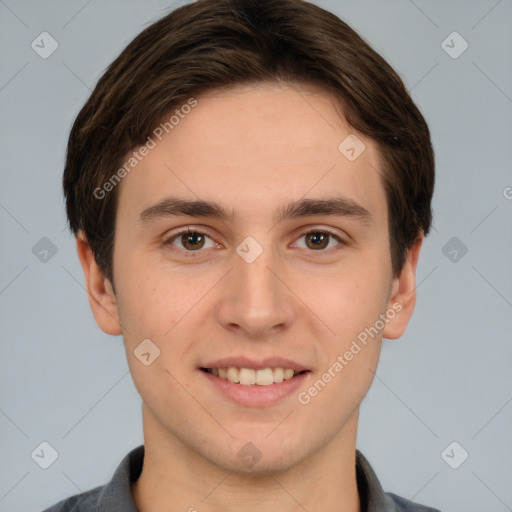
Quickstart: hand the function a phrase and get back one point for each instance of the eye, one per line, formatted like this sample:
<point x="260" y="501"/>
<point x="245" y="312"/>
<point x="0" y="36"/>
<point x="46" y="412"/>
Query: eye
<point x="190" y="240"/>
<point x="319" y="240"/>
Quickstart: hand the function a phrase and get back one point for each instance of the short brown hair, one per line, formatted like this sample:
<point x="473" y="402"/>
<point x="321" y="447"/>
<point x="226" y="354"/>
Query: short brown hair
<point x="213" y="44"/>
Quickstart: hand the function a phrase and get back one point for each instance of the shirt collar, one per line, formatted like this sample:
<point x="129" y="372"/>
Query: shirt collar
<point x="372" y="495"/>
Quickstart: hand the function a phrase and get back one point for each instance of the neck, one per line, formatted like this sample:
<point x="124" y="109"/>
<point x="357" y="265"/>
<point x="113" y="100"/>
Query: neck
<point x="176" y="478"/>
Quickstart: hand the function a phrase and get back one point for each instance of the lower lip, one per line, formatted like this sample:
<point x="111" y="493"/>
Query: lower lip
<point x="254" y="395"/>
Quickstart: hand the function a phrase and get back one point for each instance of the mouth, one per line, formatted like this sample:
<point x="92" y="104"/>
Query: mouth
<point x="254" y="377"/>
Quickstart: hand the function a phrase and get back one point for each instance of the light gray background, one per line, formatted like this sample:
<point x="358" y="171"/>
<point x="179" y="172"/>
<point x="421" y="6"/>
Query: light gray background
<point x="448" y="379"/>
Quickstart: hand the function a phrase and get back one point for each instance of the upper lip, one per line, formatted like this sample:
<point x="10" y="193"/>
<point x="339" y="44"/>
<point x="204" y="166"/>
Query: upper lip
<point x="245" y="362"/>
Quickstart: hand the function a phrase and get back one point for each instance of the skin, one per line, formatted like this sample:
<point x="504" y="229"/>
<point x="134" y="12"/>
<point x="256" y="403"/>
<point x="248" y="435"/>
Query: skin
<point x="252" y="149"/>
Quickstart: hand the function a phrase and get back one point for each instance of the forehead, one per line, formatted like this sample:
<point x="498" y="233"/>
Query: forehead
<point x="254" y="148"/>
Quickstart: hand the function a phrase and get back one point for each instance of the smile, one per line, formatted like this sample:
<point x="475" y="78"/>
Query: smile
<point x="251" y="377"/>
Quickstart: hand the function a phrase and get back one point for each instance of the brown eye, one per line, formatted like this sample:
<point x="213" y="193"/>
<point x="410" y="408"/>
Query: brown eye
<point x="319" y="240"/>
<point x="192" y="241"/>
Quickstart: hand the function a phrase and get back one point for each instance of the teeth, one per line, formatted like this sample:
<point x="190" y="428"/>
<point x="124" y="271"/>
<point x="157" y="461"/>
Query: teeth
<point x="249" y="376"/>
<point x="233" y="375"/>
<point x="287" y="373"/>
<point x="264" y="377"/>
<point x="278" y="375"/>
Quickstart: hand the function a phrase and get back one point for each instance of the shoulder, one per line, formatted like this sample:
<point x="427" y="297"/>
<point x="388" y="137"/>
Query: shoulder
<point x="403" y="505"/>
<point x="115" y="496"/>
<point x="83" y="502"/>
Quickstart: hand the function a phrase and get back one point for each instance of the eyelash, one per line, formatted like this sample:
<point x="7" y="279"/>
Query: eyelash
<point x="190" y="254"/>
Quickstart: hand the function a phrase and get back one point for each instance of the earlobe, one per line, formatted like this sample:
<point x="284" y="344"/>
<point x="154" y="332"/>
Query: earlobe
<point x="99" y="289"/>
<point x="403" y="294"/>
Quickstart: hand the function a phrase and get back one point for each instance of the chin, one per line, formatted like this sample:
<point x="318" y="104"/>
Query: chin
<point x="259" y="451"/>
<point x="259" y="463"/>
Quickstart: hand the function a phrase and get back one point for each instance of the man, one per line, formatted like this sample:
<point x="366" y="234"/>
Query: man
<point x="249" y="185"/>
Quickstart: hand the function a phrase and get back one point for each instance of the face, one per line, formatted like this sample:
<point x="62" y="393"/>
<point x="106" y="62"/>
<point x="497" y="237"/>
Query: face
<point x="286" y="266"/>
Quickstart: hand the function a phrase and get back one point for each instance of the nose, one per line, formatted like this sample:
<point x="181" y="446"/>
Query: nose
<point x="255" y="299"/>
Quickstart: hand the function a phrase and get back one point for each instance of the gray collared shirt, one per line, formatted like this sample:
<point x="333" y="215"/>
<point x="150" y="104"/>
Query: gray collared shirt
<point x="116" y="495"/>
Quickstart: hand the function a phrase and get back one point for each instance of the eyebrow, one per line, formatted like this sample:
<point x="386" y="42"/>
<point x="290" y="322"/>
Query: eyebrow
<point x="336" y="206"/>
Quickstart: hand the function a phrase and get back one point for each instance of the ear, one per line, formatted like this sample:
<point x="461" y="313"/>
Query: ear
<point x="403" y="293"/>
<point x="101" y="295"/>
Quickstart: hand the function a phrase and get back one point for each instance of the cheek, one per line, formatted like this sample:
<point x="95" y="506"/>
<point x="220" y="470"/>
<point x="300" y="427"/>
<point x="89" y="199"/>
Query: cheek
<point x="149" y="303"/>
<point x="154" y="308"/>
<point x="351" y="351"/>
<point x="348" y="301"/>
<point x="343" y="386"/>
<point x="163" y="305"/>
